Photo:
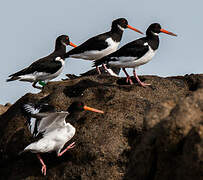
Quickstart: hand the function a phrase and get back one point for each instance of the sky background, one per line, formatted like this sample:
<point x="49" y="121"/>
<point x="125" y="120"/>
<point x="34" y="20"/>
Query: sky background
<point x="29" y="29"/>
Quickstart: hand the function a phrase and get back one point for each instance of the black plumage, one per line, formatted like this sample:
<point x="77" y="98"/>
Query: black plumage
<point x="46" y="66"/>
<point x="99" y="42"/>
<point x="135" y="53"/>
<point x="132" y="49"/>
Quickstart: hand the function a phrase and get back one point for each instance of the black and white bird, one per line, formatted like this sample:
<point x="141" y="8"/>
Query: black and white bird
<point x="135" y="53"/>
<point x="102" y="44"/>
<point x="46" y="68"/>
<point x="51" y="128"/>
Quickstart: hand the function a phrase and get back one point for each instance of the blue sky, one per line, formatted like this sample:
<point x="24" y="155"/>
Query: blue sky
<point x="29" y="29"/>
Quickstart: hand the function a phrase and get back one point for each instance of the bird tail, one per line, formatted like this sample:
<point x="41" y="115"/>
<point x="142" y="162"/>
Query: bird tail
<point x="99" y="62"/>
<point x="16" y="76"/>
<point x="13" y="78"/>
<point x="28" y="148"/>
<point x="21" y="152"/>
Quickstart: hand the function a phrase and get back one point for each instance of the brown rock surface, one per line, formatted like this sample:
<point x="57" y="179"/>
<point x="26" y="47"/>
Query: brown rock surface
<point x="4" y="108"/>
<point x="151" y="133"/>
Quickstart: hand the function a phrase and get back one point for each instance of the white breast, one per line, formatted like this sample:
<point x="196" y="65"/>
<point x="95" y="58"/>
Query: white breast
<point x="56" y="139"/>
<point x="132" y="62"/>
<point x="97" y="54"/>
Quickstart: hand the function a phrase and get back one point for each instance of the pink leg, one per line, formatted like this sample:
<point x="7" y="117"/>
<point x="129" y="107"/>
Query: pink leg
<point x="104" y="66"/>
<point x="138" y="80"/>
<point x="69" y="147"/>
<point x="128" y="77"/>
<point x="98" y="70"/>
<point x="44" y="169"/>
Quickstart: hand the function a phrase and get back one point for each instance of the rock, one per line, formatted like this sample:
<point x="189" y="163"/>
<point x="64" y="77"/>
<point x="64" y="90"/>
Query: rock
<point x="4" y="108"/>
<point x="94" y="72"/>
<point x="146" y="133"/>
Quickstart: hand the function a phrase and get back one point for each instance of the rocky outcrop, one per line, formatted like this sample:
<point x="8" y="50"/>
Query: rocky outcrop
<point x="151" y="133"/>
<point x="4" y="108"/>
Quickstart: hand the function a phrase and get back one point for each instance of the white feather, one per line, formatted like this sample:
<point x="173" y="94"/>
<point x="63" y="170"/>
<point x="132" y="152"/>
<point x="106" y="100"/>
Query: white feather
<point x="53" y="141"/>
<point x="121" y="28"/>
<point x="97" y="54"/>
<point x="132" y="62"/>
<point x="156" y="34"/>
<point x="41" y="76"/>
<point x="32" y="125"/>
<point x="30" y="109"/>
<point x="110" y="71"/>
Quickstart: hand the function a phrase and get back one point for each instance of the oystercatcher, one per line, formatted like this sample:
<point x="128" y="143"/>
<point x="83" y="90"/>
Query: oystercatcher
<point x="135" y="53"/>
<point x="46" y="68"/>
<point x="51" y="128"/>
<point x="102" y="44"/>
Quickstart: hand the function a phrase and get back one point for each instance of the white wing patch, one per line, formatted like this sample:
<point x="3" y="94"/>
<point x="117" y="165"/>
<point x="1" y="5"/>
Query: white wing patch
<point x="31" y="109"/>
<point x="32" y="125"/>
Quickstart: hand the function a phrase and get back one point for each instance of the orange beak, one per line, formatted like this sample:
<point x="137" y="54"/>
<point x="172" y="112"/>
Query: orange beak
<point x="92" y="109"/>
<point x="167" y="32"/>
<point x="134" y="29"/>
<point x="71" y="44"/>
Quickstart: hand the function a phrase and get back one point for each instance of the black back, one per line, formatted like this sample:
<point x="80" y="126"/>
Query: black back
<point x="99" y="42"/>
<point x="48" y="63"/>
<point x="137" y="48"/>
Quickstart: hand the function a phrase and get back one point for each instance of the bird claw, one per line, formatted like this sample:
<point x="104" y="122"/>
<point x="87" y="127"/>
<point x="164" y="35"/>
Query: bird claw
<point x="44" y="169"/>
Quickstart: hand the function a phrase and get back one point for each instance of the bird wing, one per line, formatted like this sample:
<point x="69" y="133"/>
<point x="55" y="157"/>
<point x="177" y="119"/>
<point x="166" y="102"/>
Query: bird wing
<point x="31" y="108"/>
<point x="134" y="49"/>
<point x="46" y="64"/>
<point x="51" y="122"/>
<point x="31" y="111"/>
<point x="95" y="43"/>
<point x="35" y="114"/>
